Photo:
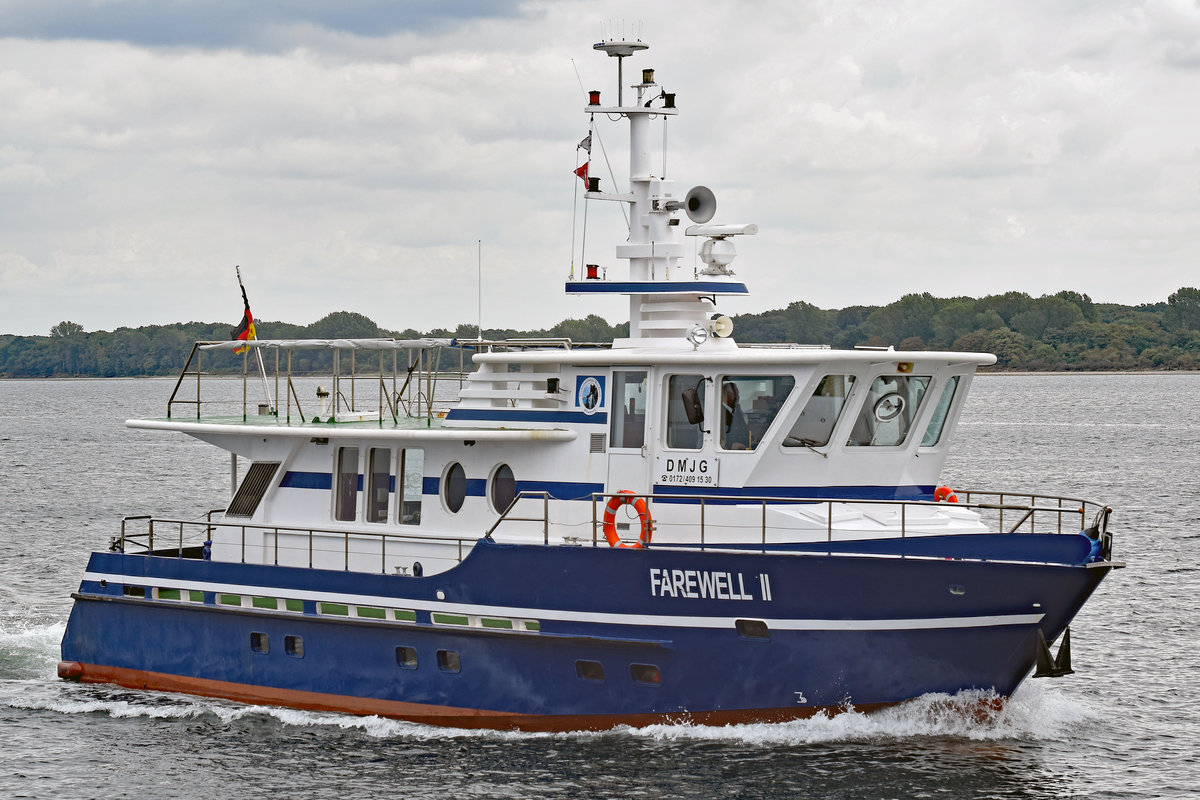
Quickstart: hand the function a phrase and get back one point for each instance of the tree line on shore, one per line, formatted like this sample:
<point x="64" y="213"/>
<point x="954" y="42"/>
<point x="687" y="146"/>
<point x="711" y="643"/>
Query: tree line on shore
<point x="1063" y="331"/>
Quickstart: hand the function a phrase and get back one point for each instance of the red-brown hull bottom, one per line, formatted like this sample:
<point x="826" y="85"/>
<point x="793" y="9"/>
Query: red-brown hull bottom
<point x="449" y="716"/>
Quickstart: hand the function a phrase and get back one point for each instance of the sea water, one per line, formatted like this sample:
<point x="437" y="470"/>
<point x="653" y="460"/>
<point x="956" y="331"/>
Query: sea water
<point x="1126" y="724"/>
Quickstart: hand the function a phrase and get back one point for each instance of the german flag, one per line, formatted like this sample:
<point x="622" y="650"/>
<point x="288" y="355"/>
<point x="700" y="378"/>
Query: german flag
<point x="245" y="331"/>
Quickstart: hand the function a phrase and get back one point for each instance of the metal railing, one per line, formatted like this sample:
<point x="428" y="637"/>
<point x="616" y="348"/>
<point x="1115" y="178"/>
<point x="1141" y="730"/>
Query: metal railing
<point x="189" y="539"/>
<point x="1032" y="512"/>
<point x="414" y="382"/>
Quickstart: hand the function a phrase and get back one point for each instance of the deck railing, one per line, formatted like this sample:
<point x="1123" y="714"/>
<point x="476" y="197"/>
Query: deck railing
<point x="181" y="538"/>
<point x="1001" y="512"/>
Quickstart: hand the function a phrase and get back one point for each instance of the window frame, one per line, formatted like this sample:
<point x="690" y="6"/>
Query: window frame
<point x="371" y="507"/>
<point x="494" y="497"/>
<point x="719" y="426"/>
<point x="341" y="493"/>
<point x="405" y="503"/>
<point x="618" y="412"/>
<point x="798" y="444"/>
<point x="447" y="473"/>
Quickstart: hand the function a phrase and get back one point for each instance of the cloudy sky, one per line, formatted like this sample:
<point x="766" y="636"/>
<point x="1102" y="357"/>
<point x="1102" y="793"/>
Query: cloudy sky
<point x="349" y="156"/>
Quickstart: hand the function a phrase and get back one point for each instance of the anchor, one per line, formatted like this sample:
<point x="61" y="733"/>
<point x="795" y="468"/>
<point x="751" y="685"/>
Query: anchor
<point x="1050" y="665"/>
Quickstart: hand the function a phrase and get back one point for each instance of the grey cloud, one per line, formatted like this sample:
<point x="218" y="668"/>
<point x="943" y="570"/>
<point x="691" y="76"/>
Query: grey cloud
<point x="266" y="25"/>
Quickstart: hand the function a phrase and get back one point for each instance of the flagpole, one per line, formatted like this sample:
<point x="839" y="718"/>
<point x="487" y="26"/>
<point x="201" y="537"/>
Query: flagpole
<point x="248" y="321"/>
<point x="479" y="290"/>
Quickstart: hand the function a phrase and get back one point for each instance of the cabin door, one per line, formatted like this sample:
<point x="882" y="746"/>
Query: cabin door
<point x="627" y="437"/>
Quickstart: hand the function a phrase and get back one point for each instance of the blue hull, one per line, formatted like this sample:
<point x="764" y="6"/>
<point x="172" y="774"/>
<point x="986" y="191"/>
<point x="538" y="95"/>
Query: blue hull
<point x="656" y="631"/>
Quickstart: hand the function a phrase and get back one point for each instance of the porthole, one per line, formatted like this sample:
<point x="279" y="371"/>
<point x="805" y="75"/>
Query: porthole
<point x="646" y="673"/>
<point x="294" y="646"/>
<point x="406" y="657"/>
<point x="503" y="488"/>
<point x="447" y="661"/>
<point x="260" y="642"/>
<point x="454" y="487"/>
<point x="589" y="670"/>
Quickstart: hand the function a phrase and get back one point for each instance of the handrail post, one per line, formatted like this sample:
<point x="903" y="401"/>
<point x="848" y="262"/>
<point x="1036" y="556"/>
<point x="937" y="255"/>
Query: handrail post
<point x="701" y="522"/>
<point x="593" y="519"/>
<point x="764" y="524"/>
<point x="243" y="544"/>
<point x="546" y="518"/>
<point x="150" y="540"/>
<point x="903" y="518"/>
<point x="829" y="520"/>
<point x="276" y="532"/>
<point x="179" y="553"/>
<point x="347" y="538"/>
<point x="310" y="535"/>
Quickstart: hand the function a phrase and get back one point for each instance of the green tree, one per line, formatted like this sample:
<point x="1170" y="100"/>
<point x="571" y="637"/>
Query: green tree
<point x="1046" y="313"/>
<point x="1183" y="310"/>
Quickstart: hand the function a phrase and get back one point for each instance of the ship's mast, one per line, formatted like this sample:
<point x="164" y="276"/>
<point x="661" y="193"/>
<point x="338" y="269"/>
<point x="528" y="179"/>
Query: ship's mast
<point x="666" y="303"/>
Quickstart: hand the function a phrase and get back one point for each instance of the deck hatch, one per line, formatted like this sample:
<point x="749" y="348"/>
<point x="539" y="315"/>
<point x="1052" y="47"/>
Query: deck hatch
<point x="254" y="486"/>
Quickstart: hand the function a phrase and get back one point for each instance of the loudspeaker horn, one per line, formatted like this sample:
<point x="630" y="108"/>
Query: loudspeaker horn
<point x="722" y="326"/>
<point x="700" y="204"/>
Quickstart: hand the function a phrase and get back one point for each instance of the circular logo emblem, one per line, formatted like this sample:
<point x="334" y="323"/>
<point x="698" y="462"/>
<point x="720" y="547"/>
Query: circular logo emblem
<point x="589" y="395"/>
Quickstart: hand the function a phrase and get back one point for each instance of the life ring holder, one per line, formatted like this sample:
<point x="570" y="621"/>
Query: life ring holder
<point x="944" y="494"/>
<point x="623" y="498"/>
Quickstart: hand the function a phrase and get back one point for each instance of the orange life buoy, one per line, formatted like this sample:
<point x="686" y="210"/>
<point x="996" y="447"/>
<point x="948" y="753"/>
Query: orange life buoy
<point x="944" y="494"/>
<point x="622" y="498"/>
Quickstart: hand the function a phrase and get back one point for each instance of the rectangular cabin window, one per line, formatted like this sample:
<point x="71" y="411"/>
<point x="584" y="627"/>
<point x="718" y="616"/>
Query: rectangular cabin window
<point x="815" y="424"/>
<point x="589" y="670"/>
<point x="346" y="485"/>
<point x="294" y="646"/>
<point x="749" y="404"/>
<point x="406" y="657"/>
<point x="889" y="410"/>
<point x="254" y="486"/>
<point x="628" y="410"/>
<point x="379" y="466"/>
<point x="933" y="433"/>
<point x="685" y="412"/>
<point x="448" y="661"/>
<point x="646" y="673"/>
<point x="411" y="477"/>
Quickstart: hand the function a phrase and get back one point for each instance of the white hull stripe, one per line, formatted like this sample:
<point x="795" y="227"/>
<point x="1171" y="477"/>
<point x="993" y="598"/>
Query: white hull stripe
<point x="670" y="621"/>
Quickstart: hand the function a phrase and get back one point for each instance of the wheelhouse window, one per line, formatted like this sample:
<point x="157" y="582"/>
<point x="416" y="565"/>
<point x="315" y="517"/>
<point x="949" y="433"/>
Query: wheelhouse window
<point x="380" y="484"/>
<point x="937" y="423"/>
<point x="889" y="410"/>
<point x="749" y="404"/>
<point x="412" y="476"/>
<point x="503" y="488"/>
<point x="815" y="424"/>
<point x="628" y="410"/>
<point x="685" y="411"/>
<point x="346" y="485"/>
<point x="454" y="487"/>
